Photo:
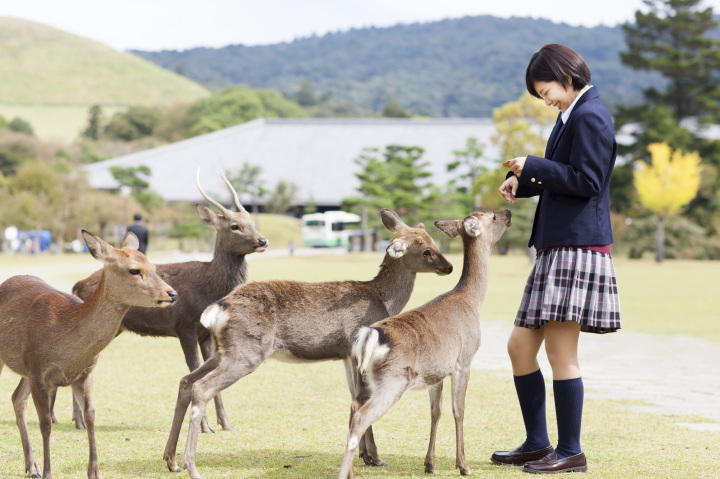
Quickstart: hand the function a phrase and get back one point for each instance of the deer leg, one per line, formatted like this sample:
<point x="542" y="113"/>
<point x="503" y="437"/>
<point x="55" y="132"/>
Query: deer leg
<point x="19" y="399"/>
<point x="459" y="389"/>
<point x="189" y="344"/>
<point x="78" y="415"/>
<point x="435" y="412"/>
<point x="368" y="450"/>
<point x="53" y="395"/>
<point x="207" y="348"/>
<point x="41" y="398"/>
<point x="82" y="393"/>
<point x="227" y="372"/>
<point x="362" y="417"/>
<point x="183" y="401"/>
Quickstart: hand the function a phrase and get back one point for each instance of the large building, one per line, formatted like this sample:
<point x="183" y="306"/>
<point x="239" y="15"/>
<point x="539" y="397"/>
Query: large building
<point x="315" y="154"/>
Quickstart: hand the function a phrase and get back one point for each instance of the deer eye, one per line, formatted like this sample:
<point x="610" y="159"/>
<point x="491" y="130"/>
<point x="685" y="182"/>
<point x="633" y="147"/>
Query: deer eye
<point x="427" y="253"/>
<point x="134" y="271"/>
<point x="494" y="217"/>
<point x="235" y="227"/>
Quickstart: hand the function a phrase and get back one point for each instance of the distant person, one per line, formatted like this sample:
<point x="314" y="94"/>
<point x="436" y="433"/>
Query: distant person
<point x="140" y="231"/>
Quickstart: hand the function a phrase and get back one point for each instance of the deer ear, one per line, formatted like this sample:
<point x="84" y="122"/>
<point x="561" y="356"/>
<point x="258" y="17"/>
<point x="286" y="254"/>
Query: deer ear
<point x="99" y="249"/>
<point x="130" y="241"/>
<point x="397" y="248"/>
<point x="207" y="215"/>
<point x="450" y="228"/>
<point x="472" y="226"/>
<point x="391" y="220"/>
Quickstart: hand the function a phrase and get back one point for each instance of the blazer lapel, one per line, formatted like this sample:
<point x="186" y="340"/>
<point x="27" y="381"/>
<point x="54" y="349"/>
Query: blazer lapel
<point x="559" y="129"/>
<point x="554" y="134"/>
<point x="557" y="138"/>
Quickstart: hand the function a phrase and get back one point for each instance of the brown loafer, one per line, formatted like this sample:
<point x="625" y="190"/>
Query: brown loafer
<point x="550" y="464"/>
<point x="517" y="457"/>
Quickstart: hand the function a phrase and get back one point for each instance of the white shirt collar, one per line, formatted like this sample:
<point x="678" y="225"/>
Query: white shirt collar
<point x="566" y="113"/>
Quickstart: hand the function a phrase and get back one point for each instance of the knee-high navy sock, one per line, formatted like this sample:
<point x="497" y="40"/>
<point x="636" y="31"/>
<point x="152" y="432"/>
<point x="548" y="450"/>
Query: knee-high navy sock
<point x="531" y="394"/>
<point x="569" y="395"/>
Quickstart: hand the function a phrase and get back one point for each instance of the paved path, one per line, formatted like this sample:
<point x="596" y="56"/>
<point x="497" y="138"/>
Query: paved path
<point x="673" y="374"/>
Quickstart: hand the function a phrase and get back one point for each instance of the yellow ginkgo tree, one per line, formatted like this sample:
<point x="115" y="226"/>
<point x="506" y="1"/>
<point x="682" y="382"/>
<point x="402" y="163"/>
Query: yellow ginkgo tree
<point x="665" y="185"/>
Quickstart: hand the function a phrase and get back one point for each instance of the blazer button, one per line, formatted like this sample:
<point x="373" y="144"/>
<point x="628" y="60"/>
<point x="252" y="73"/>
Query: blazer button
<point x="532" y="179"/>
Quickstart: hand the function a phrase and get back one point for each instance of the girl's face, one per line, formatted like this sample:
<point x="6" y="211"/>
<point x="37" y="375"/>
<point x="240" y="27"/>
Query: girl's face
<point x="555" y="95"/>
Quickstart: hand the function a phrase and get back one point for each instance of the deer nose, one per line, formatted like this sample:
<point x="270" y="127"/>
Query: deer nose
<point x="262" y="242"/>
<point x="450" y="269"/>
<point x="173" y="295"/>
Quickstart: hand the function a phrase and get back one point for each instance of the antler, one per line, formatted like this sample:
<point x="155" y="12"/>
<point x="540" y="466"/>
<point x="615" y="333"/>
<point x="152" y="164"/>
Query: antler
<point x="232" y="190"/>
<point x="217" y="205"/>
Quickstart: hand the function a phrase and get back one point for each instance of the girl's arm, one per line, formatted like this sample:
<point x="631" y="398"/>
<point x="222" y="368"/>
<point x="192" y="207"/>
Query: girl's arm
<point x="591" y="153"/>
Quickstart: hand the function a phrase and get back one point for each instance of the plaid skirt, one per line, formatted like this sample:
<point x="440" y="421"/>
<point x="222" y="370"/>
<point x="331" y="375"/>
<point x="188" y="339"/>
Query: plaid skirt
<point x="571" y="284"/>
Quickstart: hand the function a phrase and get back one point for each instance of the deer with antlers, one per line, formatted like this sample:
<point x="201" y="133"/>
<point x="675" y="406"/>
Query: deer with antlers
<point x="296" y="321"/>
<point x="53" y="339"/>
<point x="199" y="284"/>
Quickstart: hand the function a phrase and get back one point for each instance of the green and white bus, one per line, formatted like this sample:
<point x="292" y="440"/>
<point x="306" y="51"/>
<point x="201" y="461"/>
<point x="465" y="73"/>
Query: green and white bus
<point x="332" y="228"/>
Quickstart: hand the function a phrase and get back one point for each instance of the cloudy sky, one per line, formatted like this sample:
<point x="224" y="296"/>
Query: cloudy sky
<point x="183" y="24"/>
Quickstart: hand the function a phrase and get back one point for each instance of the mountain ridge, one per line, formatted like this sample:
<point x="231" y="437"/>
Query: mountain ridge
<point x="462" y="67"/>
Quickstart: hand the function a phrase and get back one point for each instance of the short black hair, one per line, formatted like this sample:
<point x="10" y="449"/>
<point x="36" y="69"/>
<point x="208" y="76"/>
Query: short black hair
<point x="137" y="216"/>
<point x="555" y="62"/>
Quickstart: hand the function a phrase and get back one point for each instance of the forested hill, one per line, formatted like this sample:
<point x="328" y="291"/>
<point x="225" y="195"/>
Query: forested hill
<point x="461" y="67"/>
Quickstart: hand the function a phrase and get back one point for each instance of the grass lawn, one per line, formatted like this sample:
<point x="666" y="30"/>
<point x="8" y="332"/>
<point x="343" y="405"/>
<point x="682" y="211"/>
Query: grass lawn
<point x="291" y="419"/>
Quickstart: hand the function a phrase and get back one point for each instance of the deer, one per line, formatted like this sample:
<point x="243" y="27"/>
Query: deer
<point x="299" y="322"/>
<point x="198" y="284"/>
<point x="419" y="348"/>
<point x="53" y="339"/>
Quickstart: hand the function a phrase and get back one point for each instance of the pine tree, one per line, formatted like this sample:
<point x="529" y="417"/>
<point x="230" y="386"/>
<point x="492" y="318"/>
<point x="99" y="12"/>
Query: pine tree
<point x="673" y="38"/>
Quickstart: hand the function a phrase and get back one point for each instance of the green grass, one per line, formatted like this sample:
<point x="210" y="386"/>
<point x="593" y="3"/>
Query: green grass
<point x="291" y="419"/>
<point x="43" y="69"/>
<point x="675" y="297"/>
<point x="57" y="123"/>
<point x="291" y="423"/>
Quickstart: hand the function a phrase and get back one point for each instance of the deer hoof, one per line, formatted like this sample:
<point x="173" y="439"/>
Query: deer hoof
<point x="228" y="428"/>
<point x="464" y="471"/>
<point x="429" y="468"/>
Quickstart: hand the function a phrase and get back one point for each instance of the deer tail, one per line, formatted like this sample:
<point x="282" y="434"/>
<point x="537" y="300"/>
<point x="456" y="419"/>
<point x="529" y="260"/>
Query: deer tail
<point x="367" y="349"/>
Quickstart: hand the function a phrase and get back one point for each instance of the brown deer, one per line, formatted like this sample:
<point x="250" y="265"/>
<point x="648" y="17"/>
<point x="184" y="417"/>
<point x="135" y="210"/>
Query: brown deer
<point x="198" y="284"/>
<point x="421" y="347"/>
<point x="299" y="322"/>
<point x="53" y="339"/>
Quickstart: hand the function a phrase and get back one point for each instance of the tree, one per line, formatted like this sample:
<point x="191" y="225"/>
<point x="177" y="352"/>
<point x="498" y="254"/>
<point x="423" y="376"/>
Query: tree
<point x="395" y="180"/>
<point x="282" y="199"/>
<point x="305" y="94"/>
<point x="19" y="125"/>
<point x="677" y="39"/>
<point x="13" y="154"/>
<point x="394" y="109"/>
<point x="521" y="125"/>
<point x="135" y="123"/>
<point x="667" y="184"/>
<point x="238" y="104"/>
<point x="247" y="180"/>
<point x="94" y="128"/>
<point x="673" y="39"/>
<point x="468" y="165"/>
<point x="130" y="176"/>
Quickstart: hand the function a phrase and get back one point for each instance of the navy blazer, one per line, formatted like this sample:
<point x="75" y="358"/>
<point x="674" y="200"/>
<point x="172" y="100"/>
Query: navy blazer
<point x="573" y="180"/>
